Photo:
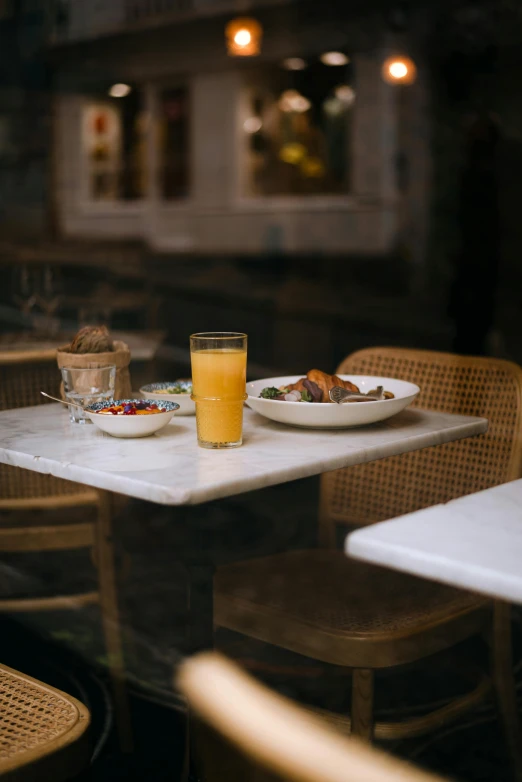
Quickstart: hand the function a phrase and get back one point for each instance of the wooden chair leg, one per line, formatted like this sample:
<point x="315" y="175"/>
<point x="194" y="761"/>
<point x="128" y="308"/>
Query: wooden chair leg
<point x="111" y="620"/>
<point x="504" y="682"/>
<point x="362" y="704"/>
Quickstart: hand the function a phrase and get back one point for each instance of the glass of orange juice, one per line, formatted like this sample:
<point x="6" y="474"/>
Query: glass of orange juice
<point x="219" y="387"/>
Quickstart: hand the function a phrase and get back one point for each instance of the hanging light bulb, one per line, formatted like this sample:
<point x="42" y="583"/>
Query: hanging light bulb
<point x="294" y="64"/>
<point x="243" y="37"/>
<point x="334" y="59"/>
<point x="399" y="70"/>
<point x="345" y="94"/>
<point x="292" y="100"/>
<point x="119" y="90"/>
<point x="252" y="124"/>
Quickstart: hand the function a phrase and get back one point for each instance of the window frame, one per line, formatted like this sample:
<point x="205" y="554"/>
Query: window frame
<point x="117" y="206"/>
<point x="259" y="203"/>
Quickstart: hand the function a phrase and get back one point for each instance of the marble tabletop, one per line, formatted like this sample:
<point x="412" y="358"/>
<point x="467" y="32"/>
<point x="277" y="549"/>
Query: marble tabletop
<point x="474" y="542"/>
<point x="171" y="469"/>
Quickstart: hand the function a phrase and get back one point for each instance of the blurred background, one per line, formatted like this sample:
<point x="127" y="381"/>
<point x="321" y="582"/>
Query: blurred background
<point x="320" y="175"/>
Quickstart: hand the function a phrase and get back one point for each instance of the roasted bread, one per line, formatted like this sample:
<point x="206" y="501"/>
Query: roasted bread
<point x="92" y="339"/>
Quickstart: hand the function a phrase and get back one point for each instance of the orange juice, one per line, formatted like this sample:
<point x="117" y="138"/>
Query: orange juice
<point x="218" y="386"/>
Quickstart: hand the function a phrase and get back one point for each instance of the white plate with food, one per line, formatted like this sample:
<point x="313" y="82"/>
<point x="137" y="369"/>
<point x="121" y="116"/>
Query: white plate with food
<point x="131" y="417"/>
<point x="305" y="401"/>
<point x="178" y="391"/>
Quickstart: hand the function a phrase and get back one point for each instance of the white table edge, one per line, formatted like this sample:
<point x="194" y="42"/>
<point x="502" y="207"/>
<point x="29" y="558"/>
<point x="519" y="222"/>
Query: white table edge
<point x="488" y="581"/>
<point x="121" y="484"/>
<point x="437" y="569"/>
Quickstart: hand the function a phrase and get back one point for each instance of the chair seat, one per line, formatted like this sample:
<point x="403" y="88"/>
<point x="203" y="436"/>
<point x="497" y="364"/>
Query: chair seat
<point x="43" y="731"/>
<point x="323" y="605"/>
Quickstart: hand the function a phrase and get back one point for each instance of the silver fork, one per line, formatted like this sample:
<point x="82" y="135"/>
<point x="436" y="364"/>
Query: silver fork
<point x="342" y="395"/>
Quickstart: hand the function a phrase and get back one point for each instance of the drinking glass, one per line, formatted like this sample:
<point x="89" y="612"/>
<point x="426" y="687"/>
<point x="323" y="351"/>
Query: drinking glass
<point x="87" y="385"/>
<point x="218" y="387"/>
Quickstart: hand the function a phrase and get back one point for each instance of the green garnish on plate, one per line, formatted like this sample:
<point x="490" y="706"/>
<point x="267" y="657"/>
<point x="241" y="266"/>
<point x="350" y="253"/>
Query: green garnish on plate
<point x="272" y="393"/>
<point x="179" y="388"/>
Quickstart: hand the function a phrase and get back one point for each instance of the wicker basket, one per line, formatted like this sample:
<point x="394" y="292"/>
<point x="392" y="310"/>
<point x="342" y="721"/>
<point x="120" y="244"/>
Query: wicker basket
<point x="120" y="357"/>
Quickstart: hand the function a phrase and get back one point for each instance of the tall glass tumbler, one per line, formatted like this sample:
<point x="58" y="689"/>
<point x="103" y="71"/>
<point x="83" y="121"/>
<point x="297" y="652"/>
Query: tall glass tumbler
<point x="86" y="385"/>
<point x="219" y="387"/>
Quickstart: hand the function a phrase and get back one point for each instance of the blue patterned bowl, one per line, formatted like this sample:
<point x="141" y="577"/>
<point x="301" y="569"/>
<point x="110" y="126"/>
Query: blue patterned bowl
<point x="130" y="425"/>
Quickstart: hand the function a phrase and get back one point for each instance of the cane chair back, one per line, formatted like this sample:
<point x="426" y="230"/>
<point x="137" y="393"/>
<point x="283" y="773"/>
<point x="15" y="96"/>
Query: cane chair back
<point x="486" y="387"/>
<point x="43" y="731"/>
<point x="23" y="374"/>
<point x="273" y="734"/>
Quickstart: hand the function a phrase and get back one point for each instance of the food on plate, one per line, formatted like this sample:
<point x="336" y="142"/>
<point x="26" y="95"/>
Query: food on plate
<point x="387" y="394"/>
<point x="315" y="387"/>
<point x="132" y="408"/>
<point x="179" y="387"/>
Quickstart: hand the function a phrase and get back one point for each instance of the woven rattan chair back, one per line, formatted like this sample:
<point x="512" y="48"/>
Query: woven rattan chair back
<point x="486" y="387"/>
<point x="274" y="735"/>
<point x="22" y="376"/>
<point x="43" y="732"/>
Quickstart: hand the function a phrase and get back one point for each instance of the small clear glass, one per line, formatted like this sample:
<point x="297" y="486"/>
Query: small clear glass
<point x="85" y="386"/>
<point x="219" y="387"/>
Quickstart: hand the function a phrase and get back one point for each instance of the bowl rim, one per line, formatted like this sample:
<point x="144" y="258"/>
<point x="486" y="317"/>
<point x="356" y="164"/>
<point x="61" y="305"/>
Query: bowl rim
<point x="110" y="402"/>
<point x="160" y="385"/>
<point x="343" y="376"/>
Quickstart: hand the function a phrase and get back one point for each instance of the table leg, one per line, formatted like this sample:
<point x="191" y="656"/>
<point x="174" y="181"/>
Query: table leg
<point x="201" y="605"/>
<point x="111" y="618"/>
<point x="505" y="685"/>
<point x="201" y="637"/>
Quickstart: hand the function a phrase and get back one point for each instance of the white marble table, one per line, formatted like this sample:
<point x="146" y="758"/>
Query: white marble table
<point x="474" y="542"/>
<point x="170" y="468"/>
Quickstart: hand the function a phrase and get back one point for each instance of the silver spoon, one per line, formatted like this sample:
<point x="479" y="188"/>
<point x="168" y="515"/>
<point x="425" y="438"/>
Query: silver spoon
<point x="63" y="402"/>
<point x="342" y="395"/>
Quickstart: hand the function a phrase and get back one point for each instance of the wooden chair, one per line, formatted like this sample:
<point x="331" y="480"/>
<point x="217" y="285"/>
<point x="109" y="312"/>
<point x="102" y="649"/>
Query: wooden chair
<point x="325" y="606"/>
<point x="24" y="495"/>
<point x="43" y="731"/>
<point x="272" y="733"/>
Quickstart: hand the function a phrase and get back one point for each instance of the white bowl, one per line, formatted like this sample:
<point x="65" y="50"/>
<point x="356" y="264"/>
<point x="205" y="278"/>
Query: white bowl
<point x="130" y="425"/>
<point x="329" y="415"/>
<point x="157" y="391"/>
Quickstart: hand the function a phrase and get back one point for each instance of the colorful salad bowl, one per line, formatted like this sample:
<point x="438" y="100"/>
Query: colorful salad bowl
<point x="131" y="417"/>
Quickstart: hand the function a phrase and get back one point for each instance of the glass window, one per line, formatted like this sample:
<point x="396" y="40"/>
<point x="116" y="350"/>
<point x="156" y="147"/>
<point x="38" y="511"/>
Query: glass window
<point x="174" y="165"/>
<point x="297" y="124"/>
<point x="115" y="146"/>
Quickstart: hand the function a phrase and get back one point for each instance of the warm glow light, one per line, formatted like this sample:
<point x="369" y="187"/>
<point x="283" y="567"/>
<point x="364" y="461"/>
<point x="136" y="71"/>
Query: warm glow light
<point x="291" y="100"/>
<point x="294" y="64"/>
<point x="312" y="167"/>
<point x="292" y="153"/>
<point x="252" y="124"/>
<point x="119" y="90"/>
<point x="399" y="70"/>
<point x="334" y="107"/>
<point x="345" y="94"/>
<point x="334" y="58"/>
<point x="243" y="37"/>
